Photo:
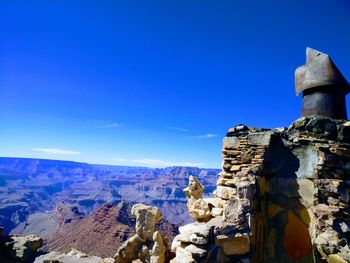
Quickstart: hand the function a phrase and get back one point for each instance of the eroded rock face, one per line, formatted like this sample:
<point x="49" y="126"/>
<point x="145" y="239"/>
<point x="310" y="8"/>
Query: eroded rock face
<point x="147" y="244"/>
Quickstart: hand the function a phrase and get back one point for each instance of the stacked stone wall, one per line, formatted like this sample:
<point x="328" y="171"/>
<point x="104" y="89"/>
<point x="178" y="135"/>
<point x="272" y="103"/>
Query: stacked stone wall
<point x="282" y="196"/>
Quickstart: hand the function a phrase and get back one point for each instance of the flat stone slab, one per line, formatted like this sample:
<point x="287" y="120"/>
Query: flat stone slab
<point x="199" y="229"/>
<point x="260" y="138"/>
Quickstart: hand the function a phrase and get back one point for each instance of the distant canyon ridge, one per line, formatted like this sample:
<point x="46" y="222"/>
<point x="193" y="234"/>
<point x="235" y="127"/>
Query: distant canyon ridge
<point x="41" y="196"/>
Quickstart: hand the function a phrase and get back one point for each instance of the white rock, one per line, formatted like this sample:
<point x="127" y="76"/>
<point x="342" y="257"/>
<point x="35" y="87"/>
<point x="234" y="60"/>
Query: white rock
<point x="194" y="250"/>
<point x="183" y="256"/>
<point x="176" y="243"/>
<point x="200" y="229"/>
<point x="217" y="211"/>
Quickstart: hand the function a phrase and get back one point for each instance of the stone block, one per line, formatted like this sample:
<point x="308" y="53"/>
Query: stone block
<point x="224" y="174"/>
<point x="235" y="168"/>
<point x="235" y="212"/>
<point x="238" y="245"/>
<point x="323" y="127"/>
<point x="260" y="138"/>
<point x="199" y="229"/>
<point x="227" y="182"/>
<point x="183" y="256"/>
<point x="225" y="192"/>
<point x="231" y="142"/>
<point x="196" y="251"/>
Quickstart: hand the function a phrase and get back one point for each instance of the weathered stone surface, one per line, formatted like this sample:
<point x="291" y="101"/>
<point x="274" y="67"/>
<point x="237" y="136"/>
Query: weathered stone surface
<point x="231" y="143"/>
<point x="238" y="245"/>
<point x="344" y="132"/>
<point x="245" y="189"/>
<point x="217" y="211"/>
<point x="235" y="168"/>
<point x="227" y="182"/>
<point x="260" y="138"/>
<point x="183" y="256"/>
<point x="176" y="243"/>
<point x="199" y="229"/>
<point x="147" y="244"/>
<point x="197" y="206"/>
<point x="225" y="192"/>
<point x="196" y="251"/>
<point x="192" y="238"/>
<point x="236" y="212"/>
<point x="284" y="197"/>
<point x="214" y="202"/>
<point x="308" y="160"/>
<point x="146" y="219"/>
<point x="323" y="127"/>
<point x="26" y="248"/>
<point x="224" y="174"/>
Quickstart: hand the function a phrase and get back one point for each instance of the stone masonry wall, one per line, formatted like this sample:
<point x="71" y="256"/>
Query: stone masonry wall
<point x="282" y="196"/>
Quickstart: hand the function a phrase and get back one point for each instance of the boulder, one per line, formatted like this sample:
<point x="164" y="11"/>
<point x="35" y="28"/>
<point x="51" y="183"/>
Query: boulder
<point x="25" y="249"/>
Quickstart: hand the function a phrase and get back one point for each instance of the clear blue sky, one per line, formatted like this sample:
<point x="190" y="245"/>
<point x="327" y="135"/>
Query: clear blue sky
<point x="154" y="83"/>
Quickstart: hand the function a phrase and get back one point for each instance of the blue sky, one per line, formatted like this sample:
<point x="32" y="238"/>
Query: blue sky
<point x="154" y="83"/>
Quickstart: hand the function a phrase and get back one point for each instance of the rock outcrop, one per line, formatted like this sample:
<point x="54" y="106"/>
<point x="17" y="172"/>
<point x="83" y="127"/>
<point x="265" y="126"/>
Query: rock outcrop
<point x="17" y="249"/>
<point x="147" y="244"/>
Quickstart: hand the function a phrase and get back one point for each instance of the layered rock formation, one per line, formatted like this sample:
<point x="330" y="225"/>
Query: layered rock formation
<point x="283" y="194"/>
<point x="37" y="196"/>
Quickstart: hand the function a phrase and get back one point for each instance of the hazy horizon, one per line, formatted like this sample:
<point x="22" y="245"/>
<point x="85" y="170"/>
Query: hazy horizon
<point x="137" y="166"/>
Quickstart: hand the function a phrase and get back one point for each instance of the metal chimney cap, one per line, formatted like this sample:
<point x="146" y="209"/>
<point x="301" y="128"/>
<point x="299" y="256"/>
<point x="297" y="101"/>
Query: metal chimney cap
<point x="319" y="70"/>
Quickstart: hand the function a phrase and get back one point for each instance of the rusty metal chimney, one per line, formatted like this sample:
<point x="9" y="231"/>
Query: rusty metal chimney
<point x="323" y="86"/>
